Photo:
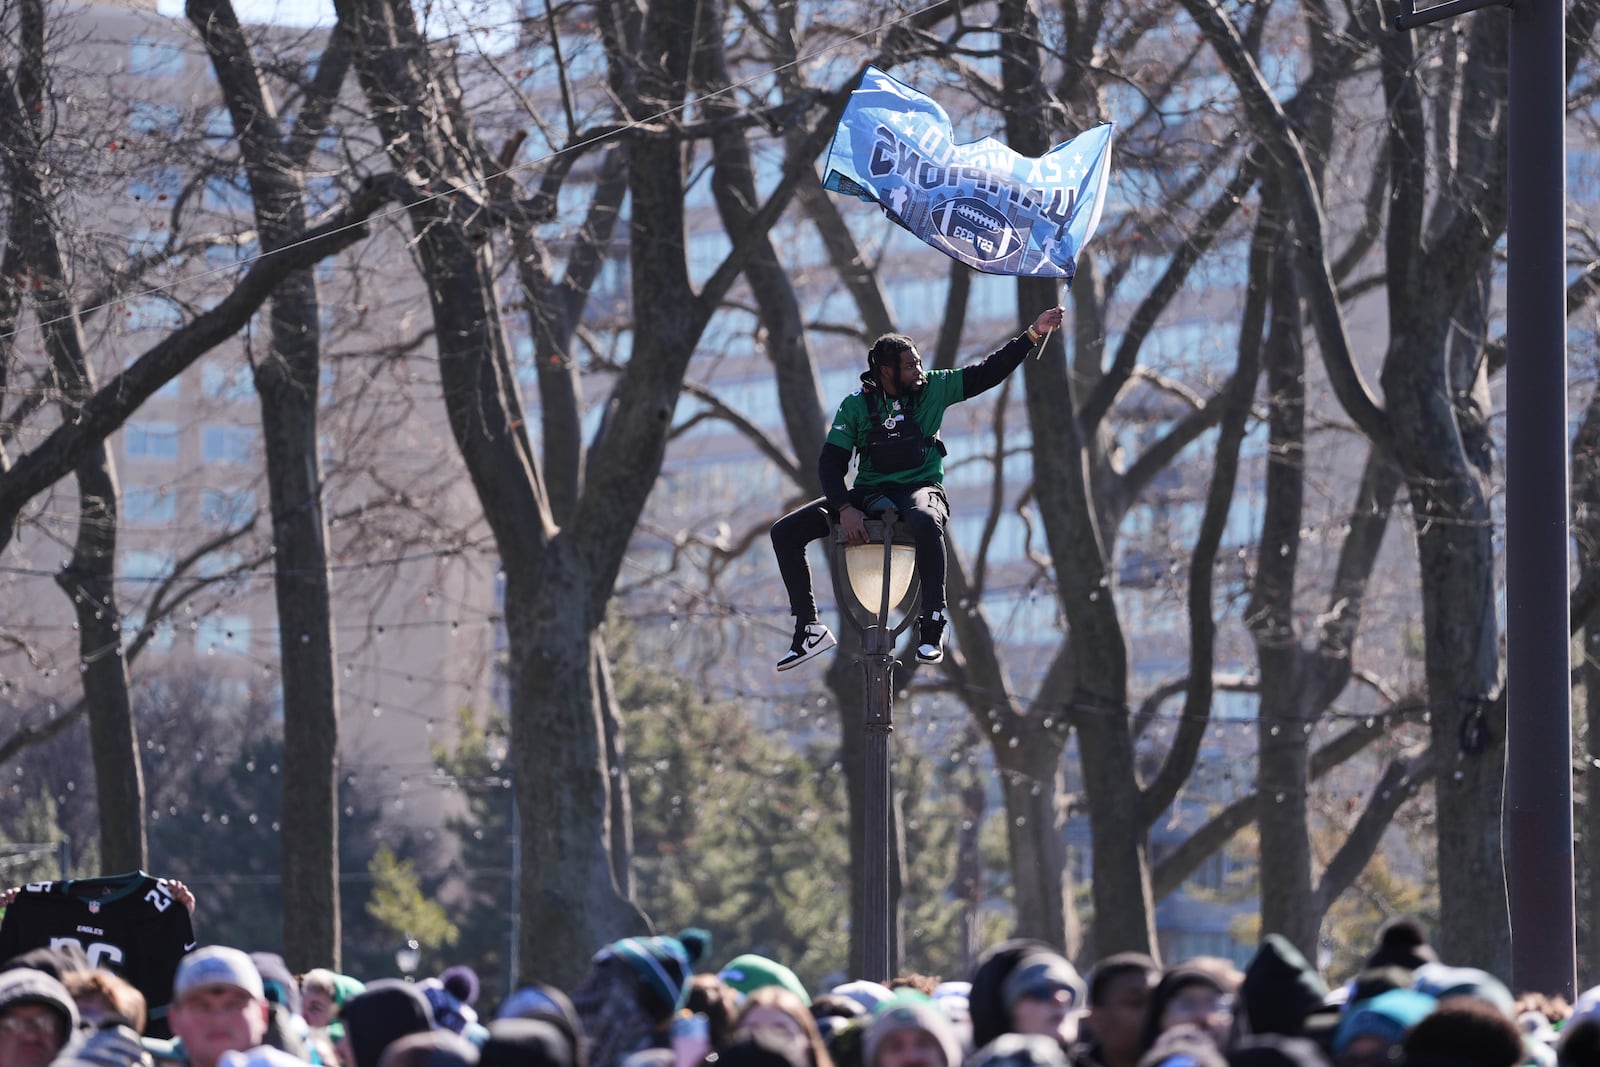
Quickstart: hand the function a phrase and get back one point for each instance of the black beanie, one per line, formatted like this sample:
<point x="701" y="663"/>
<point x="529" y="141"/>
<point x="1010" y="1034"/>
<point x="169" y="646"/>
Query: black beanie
<point x="389" y="1009"/>
<point x="1402" y="943"/>
<point x="1280" y="988"/>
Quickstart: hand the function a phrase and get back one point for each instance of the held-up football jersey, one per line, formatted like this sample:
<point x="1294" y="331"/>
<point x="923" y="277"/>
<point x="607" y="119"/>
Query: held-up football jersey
<point x="128" y="924"/>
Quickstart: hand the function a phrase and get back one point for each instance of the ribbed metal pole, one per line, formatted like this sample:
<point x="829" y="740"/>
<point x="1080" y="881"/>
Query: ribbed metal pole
<point x="879" y="663"/>
<point x="1537" y="826"/>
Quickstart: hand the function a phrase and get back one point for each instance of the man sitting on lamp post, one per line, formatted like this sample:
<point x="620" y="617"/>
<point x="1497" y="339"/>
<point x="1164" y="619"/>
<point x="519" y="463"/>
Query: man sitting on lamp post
<point x="892" y="422"/>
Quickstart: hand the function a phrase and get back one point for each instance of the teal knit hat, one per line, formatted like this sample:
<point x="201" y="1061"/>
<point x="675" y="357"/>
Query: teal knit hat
<point x="662" y="966"/>
<point x="750" y="972"/>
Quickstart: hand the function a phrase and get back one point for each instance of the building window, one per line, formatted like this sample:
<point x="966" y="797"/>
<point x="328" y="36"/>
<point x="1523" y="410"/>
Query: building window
<point x="150" y="440"/>
<point x="154" y="58"/>
<point x="226" y="444"/>
<point x="222" y="509"/>
<point x="139" y="565"/>
<point x="227" y="381"/>
<point x="149" y="504"/>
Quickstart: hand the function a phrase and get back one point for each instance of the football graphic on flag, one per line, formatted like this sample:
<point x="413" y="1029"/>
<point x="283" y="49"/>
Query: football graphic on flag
<point x="975" y="230"/>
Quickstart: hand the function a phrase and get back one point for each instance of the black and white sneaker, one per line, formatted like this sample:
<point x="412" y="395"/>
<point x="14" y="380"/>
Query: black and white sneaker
<point x="810" y="639"/>
<point x="930" y="637"/>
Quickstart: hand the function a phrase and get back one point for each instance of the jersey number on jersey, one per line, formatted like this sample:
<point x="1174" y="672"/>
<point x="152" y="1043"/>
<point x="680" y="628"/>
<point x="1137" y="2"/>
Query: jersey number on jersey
<point x="99" y="952"/>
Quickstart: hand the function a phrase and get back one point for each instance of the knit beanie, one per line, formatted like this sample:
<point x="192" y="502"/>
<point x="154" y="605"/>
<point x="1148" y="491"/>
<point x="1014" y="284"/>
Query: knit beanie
<point x="1280" y="988"/>
<point x="1387" y="1015"/>
<point x="386" y="1011"/>
<point x="1440" y="981"/>
<point x="867" y="994"/>
<point x="23" y="985"/>
<point x="910" y="1011"/>
<point x="1402" y="943"/>
<point x="276" y="981"/>
<point x="661" y="965"/>
<point x="1172" y="983"/>
<point x="750" y="972"/>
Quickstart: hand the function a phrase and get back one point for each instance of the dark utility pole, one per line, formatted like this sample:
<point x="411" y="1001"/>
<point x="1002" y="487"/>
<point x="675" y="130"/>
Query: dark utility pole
<point x="1536" y="830"/>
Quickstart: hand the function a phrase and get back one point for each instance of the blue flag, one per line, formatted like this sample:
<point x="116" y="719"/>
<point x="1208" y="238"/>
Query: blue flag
<point x="978" y="202"/>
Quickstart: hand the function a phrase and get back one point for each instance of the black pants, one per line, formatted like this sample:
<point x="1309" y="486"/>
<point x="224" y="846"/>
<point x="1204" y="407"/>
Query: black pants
<point x="924" y="510"/>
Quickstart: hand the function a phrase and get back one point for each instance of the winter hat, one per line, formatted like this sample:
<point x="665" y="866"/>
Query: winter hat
<point x="1275" y="1050"/>
<point x="750" y="972"/>
<point x="527" y="1043"/>
<point x="276" y="981"/>
<point x="1387" y="1015"/>
<point x="1402" y="943"/>
<point x="1020" y="1050"/>
<point x="388" y="1010"/>
<point x="1587" y="1004"/>
<point x="867" y="994"/>
<point x="662" y="966"/>
<point x="462" y="982"/>
<point x="1440" y="981"/>
<point x="1172" y="983"/>
<point x="1041" y="971"/>
<point x="1280" y="988"/>
<point x="23" y="985"/>
<point x="1466" y="1032"/>
<point x="449" y="1013"/>
<point x="910" y="1011"/>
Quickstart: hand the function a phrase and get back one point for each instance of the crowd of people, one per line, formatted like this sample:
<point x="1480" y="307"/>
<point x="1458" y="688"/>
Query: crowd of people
<point x="654" y="1002"/>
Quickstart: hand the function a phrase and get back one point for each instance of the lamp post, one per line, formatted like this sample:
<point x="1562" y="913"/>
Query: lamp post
<point x="408" y="957"/>
<point x="874" y="583"/>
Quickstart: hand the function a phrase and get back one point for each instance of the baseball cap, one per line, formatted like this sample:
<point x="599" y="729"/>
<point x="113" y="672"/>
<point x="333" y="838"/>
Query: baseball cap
<point x="217" y="965"/>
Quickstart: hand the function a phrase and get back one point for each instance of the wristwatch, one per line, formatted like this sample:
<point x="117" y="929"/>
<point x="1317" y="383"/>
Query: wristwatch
<point x="1033" y="335"/>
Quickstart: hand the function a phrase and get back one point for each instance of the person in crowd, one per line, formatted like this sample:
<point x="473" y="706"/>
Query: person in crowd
<point x="711" y="997"/>
<point x="955" y="1000"/>
<point x="540" y="1002"/>
<point x="747" y="973"/>
<point x="633" y="988"/>
<point x="867" y="994"/>
<point x="37" y="1017"/>
<point x="378" y="1016"/>
<point x="1578" y="1042"/>
<point x="516" y="1042"/>
<point x="758" y="1048"/>
<point x="1118" y="995"/>
<point x="1464" y="1031"/>
<point x="892" y="422"/>
<point x="1025" y="987"/>
<point x="1189" y="995"/>
<point x="778" y="1010"/>
<point x="218" y="1005"/>
<point x="101" y="995"/>
<point x="1280" y="989"/>
<point x="1402" y="942"/>
<point x="431" y="1048"/>
<point x="910" y="1031"/>
<point x="1370" y="1031"/>
<point x="921" y="983"/>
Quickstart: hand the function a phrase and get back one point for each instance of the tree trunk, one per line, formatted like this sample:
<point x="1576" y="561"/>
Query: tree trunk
<point x="288" y="387"/>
